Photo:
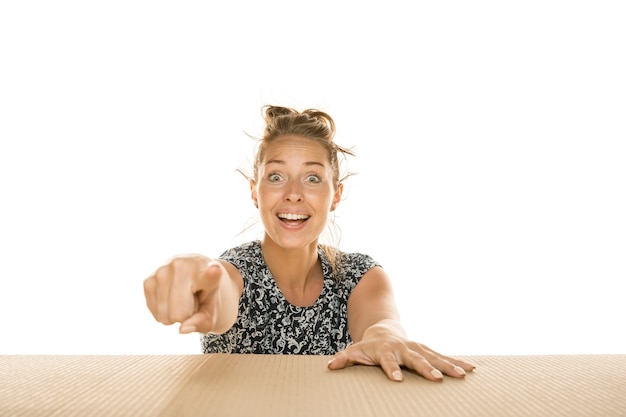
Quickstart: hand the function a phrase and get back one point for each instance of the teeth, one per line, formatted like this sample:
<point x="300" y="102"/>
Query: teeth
<point x="291" y="216"/>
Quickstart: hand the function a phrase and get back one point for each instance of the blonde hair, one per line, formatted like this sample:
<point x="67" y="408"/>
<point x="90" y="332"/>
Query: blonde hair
<point x="315" y="125"/>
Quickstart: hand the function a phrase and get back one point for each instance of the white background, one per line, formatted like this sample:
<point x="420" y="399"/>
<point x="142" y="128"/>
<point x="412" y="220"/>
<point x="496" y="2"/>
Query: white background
<point x="490" y="159"/>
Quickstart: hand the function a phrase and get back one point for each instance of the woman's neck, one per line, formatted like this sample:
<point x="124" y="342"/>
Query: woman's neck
<point x="297" y="271"/>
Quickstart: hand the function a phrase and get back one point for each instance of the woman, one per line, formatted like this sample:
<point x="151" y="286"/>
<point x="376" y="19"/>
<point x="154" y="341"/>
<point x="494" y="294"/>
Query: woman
<point x="289" y="294"/>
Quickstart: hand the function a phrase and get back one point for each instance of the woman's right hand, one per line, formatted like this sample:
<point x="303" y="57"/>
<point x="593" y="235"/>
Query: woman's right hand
<point x="196" y="292"/>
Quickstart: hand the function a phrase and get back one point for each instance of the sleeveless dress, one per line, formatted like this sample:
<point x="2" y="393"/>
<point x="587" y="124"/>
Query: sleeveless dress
<point x="268" y="324"/>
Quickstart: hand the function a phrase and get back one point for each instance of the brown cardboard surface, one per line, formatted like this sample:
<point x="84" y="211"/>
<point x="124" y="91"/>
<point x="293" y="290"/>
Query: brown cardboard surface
<point x="275" y="385"/>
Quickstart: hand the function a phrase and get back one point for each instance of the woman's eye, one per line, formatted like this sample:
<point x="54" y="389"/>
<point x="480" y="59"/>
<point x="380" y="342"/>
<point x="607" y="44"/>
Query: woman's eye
<point x="273" y="177"/>
<point x="313" y="179"/>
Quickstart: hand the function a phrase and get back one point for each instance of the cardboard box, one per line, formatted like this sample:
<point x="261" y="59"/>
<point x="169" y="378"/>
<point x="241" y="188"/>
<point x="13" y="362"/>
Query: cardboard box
<point x="277" y="385"/>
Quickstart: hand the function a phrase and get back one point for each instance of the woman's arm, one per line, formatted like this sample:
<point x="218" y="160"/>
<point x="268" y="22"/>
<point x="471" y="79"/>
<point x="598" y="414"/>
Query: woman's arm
<point x="380" y="339"/>
<point x="199" y="293"/>
<point x="371" y="302"/>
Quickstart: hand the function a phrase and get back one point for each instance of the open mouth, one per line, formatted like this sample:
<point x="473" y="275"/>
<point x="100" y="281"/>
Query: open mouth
<point x="291" y="218"/>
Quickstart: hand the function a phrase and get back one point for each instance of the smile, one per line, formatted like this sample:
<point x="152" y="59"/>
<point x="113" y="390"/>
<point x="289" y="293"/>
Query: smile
<point x="293" y="216"/>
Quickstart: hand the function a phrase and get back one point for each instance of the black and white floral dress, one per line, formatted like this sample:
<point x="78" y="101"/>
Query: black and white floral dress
<point x="268" y="324"/>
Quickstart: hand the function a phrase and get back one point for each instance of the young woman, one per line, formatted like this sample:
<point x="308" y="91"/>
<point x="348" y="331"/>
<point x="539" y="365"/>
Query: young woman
<point x="289" y="294"/>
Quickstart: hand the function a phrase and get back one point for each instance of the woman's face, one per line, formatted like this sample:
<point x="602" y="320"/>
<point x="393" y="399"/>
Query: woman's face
<point x="294" y="191"/>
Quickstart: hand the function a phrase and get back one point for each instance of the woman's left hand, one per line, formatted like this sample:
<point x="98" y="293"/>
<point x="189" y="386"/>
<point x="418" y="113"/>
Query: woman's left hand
<point x="382" y="346"/>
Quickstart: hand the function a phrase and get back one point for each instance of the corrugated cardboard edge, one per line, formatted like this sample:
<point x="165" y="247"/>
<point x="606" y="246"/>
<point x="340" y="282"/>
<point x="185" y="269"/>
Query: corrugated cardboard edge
<point x="276" y="385"/>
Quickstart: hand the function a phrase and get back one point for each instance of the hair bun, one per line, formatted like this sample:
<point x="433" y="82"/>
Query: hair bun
<point x="272" y="112"/>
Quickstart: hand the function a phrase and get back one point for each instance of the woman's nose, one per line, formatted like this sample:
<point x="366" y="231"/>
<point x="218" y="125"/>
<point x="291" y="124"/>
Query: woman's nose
<point x="293" y="192"/>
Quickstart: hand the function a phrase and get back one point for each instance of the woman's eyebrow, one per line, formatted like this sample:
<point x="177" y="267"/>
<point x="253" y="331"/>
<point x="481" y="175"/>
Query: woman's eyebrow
<point x="274" y="161"/>
<point x="281" y="162"/>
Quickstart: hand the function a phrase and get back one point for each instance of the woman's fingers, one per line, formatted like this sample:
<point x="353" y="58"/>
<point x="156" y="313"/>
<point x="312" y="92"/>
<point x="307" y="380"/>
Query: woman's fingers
<point x="390" y="365"/>
<point x="170" y="292"/>
<point x="392" y="357"/>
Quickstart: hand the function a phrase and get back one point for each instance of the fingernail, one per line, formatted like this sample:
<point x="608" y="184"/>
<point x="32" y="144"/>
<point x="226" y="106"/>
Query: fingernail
<point x="436" y="373"/>
<point x="459" y="370"/>
<point x="397" y="375"/>
<point x="331" y="360"/>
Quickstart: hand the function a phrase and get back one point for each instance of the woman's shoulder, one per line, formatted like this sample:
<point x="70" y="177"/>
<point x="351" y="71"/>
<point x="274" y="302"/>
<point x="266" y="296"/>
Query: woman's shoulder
<point x="358" y="260"/>
<point x="353" y="264"/>
<point x="354" y="256"/>
<point x="247" y="252"/>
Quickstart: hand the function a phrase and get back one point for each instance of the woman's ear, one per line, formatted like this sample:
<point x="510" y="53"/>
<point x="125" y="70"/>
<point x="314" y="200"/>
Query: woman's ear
<point x="337" y="197"/>
<point x="253" y="193"/>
